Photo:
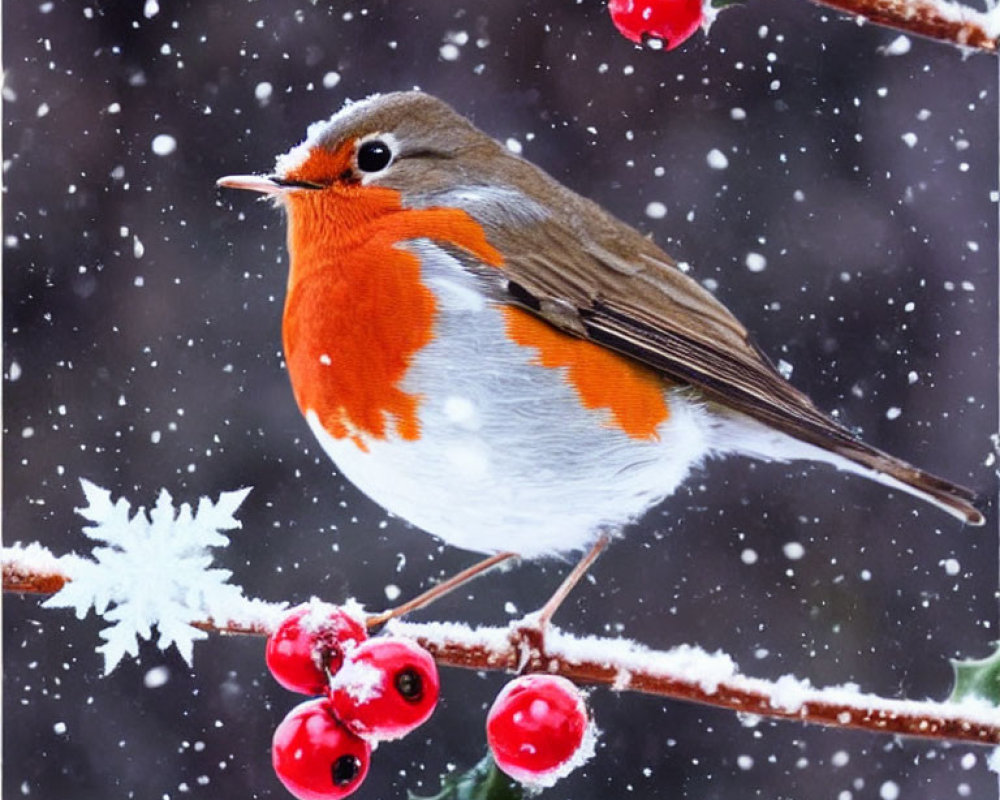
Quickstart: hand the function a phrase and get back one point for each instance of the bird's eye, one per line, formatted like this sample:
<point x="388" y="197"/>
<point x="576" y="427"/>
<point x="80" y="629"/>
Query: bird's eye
<point x="374" y="156"/>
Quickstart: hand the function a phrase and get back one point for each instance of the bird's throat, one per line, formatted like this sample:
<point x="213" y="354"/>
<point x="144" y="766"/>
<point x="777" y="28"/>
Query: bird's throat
<point x="357" y="310"/>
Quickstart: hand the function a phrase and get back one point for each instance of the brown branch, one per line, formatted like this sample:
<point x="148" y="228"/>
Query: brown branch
<point x="39" y="573"/>
<point x="528" y="651"/>
<point x="683" y="673"/>
<point x="943" y="21"/>
<point x="31" y="583"/>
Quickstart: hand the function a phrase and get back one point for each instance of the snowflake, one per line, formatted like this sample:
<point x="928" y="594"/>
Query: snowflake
<point x="155" y="571"/>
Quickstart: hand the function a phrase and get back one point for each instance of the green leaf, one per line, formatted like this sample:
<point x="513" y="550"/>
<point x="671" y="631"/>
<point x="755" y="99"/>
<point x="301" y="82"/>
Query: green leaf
<point x="978" y="678"/>
<point x="483" y="782"/>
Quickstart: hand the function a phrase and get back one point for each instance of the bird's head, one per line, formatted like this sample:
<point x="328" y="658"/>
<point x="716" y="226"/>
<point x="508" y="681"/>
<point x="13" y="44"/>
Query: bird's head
<point x="408" y="142"/>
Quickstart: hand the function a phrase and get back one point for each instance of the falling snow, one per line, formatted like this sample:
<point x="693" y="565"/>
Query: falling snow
<point x="656" y="210"/>
<point x="163" y="144"/>
<point x="717" y="159"/>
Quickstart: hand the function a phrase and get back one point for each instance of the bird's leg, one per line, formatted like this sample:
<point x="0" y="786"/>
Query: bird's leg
<point x="544" y="614"/>
<point x="528" y="635"/>
<point x="439" y="590"/>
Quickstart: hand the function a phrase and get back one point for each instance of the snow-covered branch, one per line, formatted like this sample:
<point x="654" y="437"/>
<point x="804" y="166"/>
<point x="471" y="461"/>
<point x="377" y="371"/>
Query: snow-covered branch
<point x="33" y="569"/>
<point x="683" y="673"/>
<point x="690" y="673"/>
<point x="936" y="19"/>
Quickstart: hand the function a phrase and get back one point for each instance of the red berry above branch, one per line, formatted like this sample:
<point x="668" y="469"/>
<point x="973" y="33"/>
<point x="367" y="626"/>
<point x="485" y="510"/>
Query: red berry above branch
<point x="666" y="24"/>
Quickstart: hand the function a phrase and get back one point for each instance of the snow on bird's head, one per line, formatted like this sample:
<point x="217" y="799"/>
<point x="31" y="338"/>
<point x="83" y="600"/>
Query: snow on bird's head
<point x="319" y="132"/>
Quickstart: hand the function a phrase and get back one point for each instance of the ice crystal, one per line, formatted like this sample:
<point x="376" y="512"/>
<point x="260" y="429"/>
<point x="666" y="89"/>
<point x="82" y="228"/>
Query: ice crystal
<point x="153" y="572"/>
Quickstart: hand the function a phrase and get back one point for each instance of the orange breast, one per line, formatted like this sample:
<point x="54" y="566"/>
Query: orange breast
<point x="357" y="311"/>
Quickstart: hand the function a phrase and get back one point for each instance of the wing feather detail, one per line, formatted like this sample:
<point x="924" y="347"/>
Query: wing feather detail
<point x="628" y="295"/>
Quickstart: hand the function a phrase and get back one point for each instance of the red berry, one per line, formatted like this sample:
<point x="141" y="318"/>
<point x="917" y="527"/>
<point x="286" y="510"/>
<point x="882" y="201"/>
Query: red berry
<point x="668" y="21"/>
<point x="315" y="756"/>
<point x="538" y="729"/>
<point x="386" y="688"/>
<point x="310" y="643"/>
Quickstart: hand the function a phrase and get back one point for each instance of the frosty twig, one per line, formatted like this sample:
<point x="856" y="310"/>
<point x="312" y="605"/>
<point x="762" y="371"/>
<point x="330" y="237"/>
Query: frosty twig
<point x="934" y="19"/>
<point x="683" y="673"/>
<point x="689" y="673"/>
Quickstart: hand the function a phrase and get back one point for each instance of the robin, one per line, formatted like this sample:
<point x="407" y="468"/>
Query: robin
<point x="504" y="364"/>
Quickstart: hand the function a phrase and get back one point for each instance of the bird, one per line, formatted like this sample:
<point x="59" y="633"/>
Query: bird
<point x="502" y="363"/>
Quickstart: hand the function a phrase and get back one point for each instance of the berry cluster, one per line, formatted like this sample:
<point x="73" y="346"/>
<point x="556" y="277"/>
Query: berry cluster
<point x="379" y="689"/>
<point x="374" y="690"/>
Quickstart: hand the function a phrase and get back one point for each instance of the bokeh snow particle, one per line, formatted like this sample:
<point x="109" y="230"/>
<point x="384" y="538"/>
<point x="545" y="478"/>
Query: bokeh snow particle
<point x="164" y="144"/>
<point x="263" y="92"/>
<point x="156" y="677"/>
<point x="889" y="790"/>
<point x="899" y="46"/>
<point x="793" y="551"/>
<point x="717" y="159"/>
<point x="755" y="262"/>
<point x="656" y="210"/>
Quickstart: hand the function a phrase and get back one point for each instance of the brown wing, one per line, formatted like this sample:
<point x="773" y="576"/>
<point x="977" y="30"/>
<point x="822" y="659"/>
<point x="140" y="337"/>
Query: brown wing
<point x="593" y="276"/>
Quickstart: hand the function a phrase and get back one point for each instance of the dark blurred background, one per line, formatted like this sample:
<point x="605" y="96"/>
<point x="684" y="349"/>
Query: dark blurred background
<point x="141" y="350"/>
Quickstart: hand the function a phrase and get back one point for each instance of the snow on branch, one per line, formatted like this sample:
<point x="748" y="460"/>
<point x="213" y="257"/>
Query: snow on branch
<point x="690" y="673"/>
<point x="936" y="19"/>
<point x="155" y="573"/>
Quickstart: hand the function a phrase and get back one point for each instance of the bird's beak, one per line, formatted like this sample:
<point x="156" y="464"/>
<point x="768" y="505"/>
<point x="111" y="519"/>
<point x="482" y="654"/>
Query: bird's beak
<point x="265" y="184"/>
<point x="252" y="183"/>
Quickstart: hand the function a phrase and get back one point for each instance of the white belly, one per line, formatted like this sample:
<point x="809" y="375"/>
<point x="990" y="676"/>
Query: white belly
<point x="508" y="458"/>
